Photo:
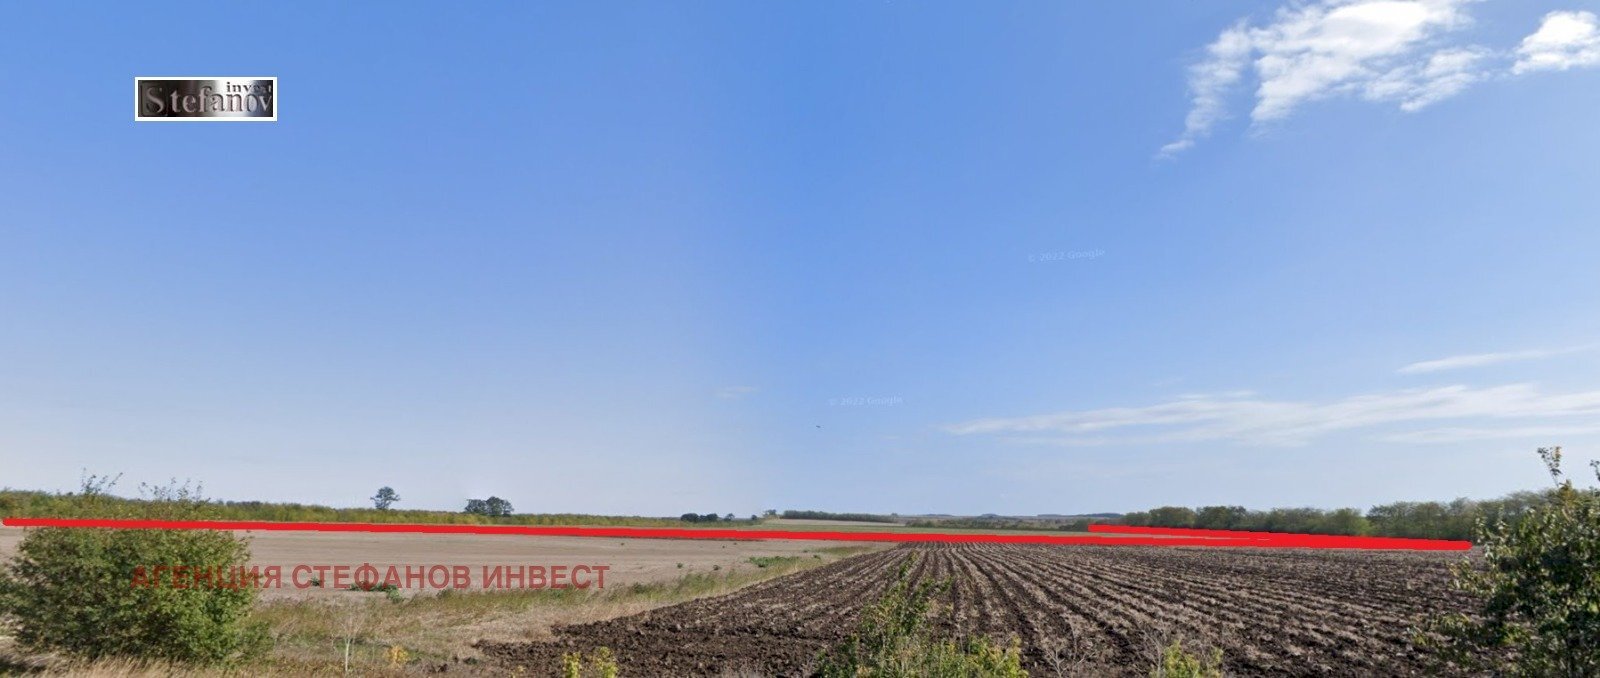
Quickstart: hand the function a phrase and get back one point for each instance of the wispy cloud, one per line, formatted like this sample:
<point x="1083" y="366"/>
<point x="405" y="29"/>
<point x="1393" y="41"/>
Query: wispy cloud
<point x="735" y="392"/>
<point x="1253" y="420"/>
<point x="1466" y="434"/>
<point x="1388" y="51"/>
<point x="1209" y="82"/>
<point x="1456" y="362"/>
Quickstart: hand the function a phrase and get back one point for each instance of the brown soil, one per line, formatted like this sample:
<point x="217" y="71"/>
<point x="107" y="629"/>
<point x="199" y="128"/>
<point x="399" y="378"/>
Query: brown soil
<point x="1076" y="610"/>
<point x="630" y="561"/>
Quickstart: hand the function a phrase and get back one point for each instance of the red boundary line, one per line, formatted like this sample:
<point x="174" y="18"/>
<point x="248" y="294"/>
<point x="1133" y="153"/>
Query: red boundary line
<point x="1106" y="534"/>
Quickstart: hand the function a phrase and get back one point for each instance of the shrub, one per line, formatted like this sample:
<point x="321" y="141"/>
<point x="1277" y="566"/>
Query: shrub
<point x="1178" y="662"/>
<point x="398" y="656"/>
<point x="895" y="638"/>
<point x="74" y="590"/>
<point x="602" y="664"/>
<point x="765" y="561"/>
<point x="1540" y="587"/>
<point x="370" y="585"/>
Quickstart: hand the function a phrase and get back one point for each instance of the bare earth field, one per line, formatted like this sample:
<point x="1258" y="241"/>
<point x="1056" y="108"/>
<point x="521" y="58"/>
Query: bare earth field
<point x="315" y="631"/>
<point x="1077" y="610"/>
<point x="630" y="561"/>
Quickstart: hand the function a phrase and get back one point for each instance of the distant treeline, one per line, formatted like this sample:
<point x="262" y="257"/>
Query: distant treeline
<point x="855" y="517"/>
<point x="1422" y="520"/>
<point x="710" y="518"/>
<point x="32" y="504"/>
<point x="1063" y="524"/>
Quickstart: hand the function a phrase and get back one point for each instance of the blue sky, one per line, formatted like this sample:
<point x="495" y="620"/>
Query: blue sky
<point x="882" y="256"/>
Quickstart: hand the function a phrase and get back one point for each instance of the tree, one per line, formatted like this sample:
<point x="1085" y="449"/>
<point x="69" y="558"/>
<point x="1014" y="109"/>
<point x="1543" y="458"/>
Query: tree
<point x="690" y="517"/>
<point x="1346" y="521"/>
<point x="728" y="518"/>
<point x="498" y="507"/>
<point x="1172" y="516"/>
<point x="1221" y="517"/>
<point x="493" y="507"/>
<point x="385" y="497"/>
<point x="1540" y="613"/>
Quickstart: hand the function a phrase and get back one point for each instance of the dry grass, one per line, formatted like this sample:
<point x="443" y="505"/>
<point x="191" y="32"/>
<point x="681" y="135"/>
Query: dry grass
<point x="380" y="636"/>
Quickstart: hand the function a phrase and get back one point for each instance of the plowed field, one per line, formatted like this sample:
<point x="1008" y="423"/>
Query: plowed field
<point x="1077" y="611"/>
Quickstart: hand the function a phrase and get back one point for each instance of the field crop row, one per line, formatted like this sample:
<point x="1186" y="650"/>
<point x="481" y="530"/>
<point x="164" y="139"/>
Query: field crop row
<point x="1076" y="610"/>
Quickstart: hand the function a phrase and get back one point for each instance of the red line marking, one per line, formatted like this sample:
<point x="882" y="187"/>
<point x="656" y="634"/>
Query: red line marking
<point x="1157" y="536"/>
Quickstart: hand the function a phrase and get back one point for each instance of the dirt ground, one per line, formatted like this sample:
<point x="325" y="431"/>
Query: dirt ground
<point x="1077" y="611"/>
<point x="629" y="561"/>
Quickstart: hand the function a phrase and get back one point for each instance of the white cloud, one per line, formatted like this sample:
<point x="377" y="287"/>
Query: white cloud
<point x="1322" y="49"/>
<point x="1564" y="40"/>
<point x="735" y="392"/>
<point x="1468" y="434"/>
<point x="1209" y="82"/>
<point x="1382" y="51"/>
<point x="1311" y="51"/>
<point x="1444" y="74"/>
<point x="1480" y="359"/>
<point x="1253" y="420"/>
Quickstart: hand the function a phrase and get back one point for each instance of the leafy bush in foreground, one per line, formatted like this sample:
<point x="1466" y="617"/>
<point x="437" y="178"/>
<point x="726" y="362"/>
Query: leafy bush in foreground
<point x="896" y="640"/>
<point x="1540" y="583"/>
<point x="73" y="590"/>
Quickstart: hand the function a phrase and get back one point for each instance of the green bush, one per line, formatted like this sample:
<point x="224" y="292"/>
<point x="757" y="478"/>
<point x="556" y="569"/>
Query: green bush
<point x="602" y="664"/>
<point x="1178" y="662"/>
<point x="76" y="591"/>
<point x="895" y="639"/>
<point x="768" y="561"/>
<point x="1540" y="586"/>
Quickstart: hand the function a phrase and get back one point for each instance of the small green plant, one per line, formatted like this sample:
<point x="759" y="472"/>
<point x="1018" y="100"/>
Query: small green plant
<point x="1539" y="581"/>
<point x="1179" y="662"/>
<point x="373" y="586"/>
<point x="398" y="656"/>
<point x="602" y="664"/>
<point x="896" y="639"/>
<point x="680" y="566"/>
<point x="765" y="561"/>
